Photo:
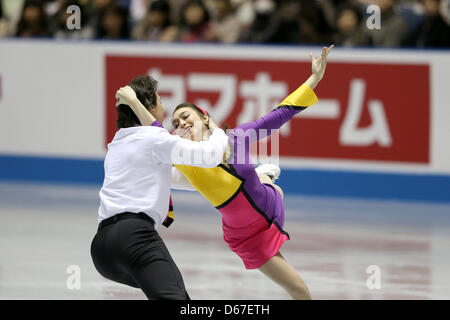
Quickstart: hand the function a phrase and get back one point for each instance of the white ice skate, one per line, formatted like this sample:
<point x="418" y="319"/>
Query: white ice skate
<point x="270" y="170"/>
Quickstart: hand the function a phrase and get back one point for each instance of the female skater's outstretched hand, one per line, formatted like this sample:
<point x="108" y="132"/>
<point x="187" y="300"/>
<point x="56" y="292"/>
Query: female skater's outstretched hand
<point x="319" y="64"/>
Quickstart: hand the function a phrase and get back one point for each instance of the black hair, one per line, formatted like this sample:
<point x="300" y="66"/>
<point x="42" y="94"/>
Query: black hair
<point x="145" y="88"/>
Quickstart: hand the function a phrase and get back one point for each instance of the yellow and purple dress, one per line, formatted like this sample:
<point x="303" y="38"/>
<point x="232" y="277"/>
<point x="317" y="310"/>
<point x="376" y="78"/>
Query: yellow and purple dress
<point x="252" y="212"/>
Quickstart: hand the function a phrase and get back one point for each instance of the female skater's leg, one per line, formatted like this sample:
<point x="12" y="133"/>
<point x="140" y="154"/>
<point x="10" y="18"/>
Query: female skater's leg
<point x="282" y="273"/>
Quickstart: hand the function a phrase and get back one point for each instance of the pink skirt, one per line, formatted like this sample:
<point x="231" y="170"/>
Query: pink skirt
<point x="250" y="233"/>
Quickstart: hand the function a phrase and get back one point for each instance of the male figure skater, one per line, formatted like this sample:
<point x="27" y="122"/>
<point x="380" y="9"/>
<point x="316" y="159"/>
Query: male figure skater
<point x="134" y="198"/>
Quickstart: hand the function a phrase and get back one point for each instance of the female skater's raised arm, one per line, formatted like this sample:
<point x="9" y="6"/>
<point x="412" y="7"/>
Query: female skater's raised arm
<point x="126" y="95"/>
<point x="180" y="182"/>
<point x="318" y="67"/>
<point x="297" y="101"/>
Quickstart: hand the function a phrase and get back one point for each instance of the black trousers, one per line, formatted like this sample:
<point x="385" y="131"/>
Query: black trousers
<point x="127" y="249"/>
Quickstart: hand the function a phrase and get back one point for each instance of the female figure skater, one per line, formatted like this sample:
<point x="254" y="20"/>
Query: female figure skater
<point x="251" y="205"/>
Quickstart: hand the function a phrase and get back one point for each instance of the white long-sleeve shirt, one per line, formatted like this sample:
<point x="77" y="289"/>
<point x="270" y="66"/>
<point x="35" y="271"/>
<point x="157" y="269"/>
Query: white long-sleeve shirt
<point x="138" y="168"/>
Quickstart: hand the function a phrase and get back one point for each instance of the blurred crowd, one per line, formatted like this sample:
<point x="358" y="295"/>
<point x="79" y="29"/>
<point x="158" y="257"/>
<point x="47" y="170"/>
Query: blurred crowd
<point x="403" y="23"/>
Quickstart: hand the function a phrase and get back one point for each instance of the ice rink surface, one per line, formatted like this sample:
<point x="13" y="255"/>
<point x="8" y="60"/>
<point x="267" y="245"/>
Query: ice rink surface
<point x="45" y="229"/>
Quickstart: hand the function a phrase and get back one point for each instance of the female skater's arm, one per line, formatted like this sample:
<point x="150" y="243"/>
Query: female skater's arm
<point x="318" y="67"/>
<point x="297" y="101"/>
<point x="180" y="182"/>
<point x="126" y="95"/>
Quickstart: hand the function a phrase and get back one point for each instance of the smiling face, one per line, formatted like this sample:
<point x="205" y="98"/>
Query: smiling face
<point x="189" y="124"/>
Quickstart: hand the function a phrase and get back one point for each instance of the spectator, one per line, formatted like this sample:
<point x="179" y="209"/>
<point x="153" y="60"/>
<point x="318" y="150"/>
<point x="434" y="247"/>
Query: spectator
<point x="113" y="23"/>
<point x="124" y="4"/>
<point x="225" y="25"/>
<point x="330" y="8"/>
<point x="33" y="22"/>
<point x="195" y="22"/>
<point x="3" y="24"/>
<point x="314" y="28"/>
<point x="11" y="11"/>
<point x="350" y="30"/>
<point x="265" y="23"/>
<point x="412" y="13"/>
<point x="418" y="23"/>
<point x="445" y="10"/>
<point x="155" y="26"/>
<point x="434" y="30"/>
<point x="138" y="9"/>
<point x="393" y="29"/>
<point x="96" y="11"/>
<point x="288" y="30"/>
<point x="245" y="14"/>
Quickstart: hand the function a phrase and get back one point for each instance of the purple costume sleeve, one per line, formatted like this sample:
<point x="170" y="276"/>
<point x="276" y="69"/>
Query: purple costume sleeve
<point x="156" y="124"/>
<point x="297" y="101"/>
<point x="263" y="126"/>
<point x="242" y="136"/>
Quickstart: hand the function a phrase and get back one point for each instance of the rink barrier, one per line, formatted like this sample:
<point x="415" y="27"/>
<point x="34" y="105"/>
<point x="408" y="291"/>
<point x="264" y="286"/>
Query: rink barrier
<point x="304" y="181"/>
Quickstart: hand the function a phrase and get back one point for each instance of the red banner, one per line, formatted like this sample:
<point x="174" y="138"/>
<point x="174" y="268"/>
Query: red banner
<point x="366" y="111"/>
